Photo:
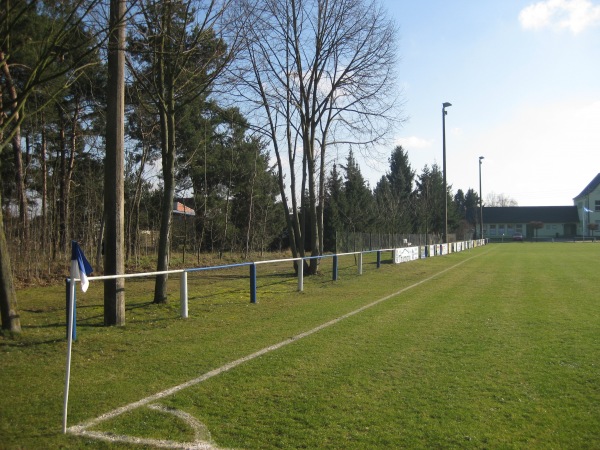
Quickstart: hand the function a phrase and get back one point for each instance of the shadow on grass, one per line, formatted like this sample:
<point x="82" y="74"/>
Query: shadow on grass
<point x="16" y="343"/>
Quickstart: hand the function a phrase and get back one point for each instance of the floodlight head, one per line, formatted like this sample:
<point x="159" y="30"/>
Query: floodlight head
<point x="481" y="157"/>
<point x="446" y="104"/>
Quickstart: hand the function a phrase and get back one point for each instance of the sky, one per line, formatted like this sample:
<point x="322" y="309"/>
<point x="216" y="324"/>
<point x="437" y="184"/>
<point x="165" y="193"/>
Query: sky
<point x="523" y="78"/>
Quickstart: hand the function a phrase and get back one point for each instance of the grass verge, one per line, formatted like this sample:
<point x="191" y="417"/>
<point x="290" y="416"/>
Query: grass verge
<point x="498" y="352"/>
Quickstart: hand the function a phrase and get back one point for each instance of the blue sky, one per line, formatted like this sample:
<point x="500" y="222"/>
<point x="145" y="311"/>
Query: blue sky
<point x="524" y="81"/>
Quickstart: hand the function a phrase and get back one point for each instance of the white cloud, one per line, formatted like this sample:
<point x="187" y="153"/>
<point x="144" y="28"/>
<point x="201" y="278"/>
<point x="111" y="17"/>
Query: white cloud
<point x="413" y="142"/>
<point x="574" y="15"/>
<point x="455" y="131"/>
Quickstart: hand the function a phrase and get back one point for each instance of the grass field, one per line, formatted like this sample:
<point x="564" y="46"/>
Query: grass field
<point x="496" y="347"/>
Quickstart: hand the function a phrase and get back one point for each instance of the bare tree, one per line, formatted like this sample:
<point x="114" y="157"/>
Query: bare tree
<point x="318" y="73"/>
<point x="502" y="200"/>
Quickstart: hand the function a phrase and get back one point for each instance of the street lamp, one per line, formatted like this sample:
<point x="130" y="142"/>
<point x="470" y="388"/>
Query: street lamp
<point x="480" y="202"/>
<point x="444" y="106"/>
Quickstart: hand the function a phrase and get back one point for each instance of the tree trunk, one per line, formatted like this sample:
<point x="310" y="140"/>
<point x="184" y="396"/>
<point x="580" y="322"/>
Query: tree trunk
<point x="312" y="217"/>
<point x="44" y="169"/>
<point x="20" y="184"/>
<point x="166" y="105"/>
<point x="16" y="145"/>
<point x="166" y="216"/>
<point x="62" y="195"/>
<point x="114" y="290"/>
<point x="68" y="175"/>
<point x="8" y="295"/>
<point x="251" y="208"/>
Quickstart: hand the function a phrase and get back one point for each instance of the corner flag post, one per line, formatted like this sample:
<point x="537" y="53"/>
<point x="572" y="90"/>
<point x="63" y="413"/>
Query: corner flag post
<point x="68" y="308"/>
<point x="70" y="326"/>
<point x="80" y="269"/>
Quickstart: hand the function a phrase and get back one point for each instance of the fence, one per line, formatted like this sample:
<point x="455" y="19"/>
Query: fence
<point x="348" y="241"/>
<point x="398" y="254"/>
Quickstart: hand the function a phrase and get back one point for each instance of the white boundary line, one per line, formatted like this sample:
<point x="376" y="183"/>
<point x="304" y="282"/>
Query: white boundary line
<point x="82" y="429"/>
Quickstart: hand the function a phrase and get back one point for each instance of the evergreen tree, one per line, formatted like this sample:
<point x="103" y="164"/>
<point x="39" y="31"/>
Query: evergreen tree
<point x="401" y="178"/>
<point x="176" y="58"/>
<point x="468" y="207"/>
<point x="384" y="202"/>
<point x="234" y="188"/>
<point x="358" y="200"/>
<point x="334" y="207"/>
<point x="430" y="194"/>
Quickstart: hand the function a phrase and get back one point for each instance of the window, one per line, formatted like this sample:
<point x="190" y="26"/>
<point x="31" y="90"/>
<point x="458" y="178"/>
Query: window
<point x="492" y="230"/>
<point x="597" y="208"/>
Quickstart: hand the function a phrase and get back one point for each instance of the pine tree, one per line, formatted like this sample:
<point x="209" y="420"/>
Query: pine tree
<point x="401" y="178"/>
<point x="358" y="198"/>
<point x="334" y="205"/>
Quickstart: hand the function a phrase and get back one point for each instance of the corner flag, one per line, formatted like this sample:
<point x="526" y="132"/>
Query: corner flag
<point x="80" y="267"/>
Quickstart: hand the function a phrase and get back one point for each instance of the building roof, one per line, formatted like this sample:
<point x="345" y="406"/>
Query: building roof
<point x="180" y="208"/>
<point x="526" y="214"/>
<point x="590" y="187"/>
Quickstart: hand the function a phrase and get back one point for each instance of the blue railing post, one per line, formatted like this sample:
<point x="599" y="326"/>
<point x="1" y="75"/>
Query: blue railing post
<point x="335" y="268"/>
<point x="252" y="283"/>
<point x="378" y="259"/>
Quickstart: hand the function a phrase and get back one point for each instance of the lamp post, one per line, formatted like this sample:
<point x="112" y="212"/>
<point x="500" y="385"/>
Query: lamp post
<point x="444" y="106"/>
<point x="480" y="202"/>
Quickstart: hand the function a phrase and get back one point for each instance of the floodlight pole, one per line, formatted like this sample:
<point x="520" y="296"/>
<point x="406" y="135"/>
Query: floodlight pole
<point x="444" y="106"/>
<point x="480" y="202"/>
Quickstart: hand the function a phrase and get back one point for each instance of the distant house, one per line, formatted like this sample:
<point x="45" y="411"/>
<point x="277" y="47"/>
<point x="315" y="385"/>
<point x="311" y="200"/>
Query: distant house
<point x="179" y="207"/>
<point x="588" y="206"/>
<point x="556" y="221"/>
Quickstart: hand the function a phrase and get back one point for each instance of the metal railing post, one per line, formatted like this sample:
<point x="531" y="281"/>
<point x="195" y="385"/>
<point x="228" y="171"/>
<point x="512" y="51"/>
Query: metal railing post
<point x="301" y="275"/>
<point x="183" y="295"/>
<point x="252" y="283"/>
<point x="335" y="268"/>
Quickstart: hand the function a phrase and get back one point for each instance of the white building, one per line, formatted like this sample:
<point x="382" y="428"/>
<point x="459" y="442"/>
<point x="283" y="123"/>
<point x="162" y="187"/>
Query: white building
<point x="588" y="207"/>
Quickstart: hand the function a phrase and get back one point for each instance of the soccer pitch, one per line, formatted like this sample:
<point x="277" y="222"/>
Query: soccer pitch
<point x="495" y="347"/>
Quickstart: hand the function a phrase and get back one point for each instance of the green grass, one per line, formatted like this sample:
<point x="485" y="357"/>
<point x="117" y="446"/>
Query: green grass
<point x="500" y="350"/>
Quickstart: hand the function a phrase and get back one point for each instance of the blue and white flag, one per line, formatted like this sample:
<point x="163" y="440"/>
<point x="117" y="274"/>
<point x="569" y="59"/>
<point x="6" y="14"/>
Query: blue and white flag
<point x="587" y="210"/>
<point x="80" y="267"/>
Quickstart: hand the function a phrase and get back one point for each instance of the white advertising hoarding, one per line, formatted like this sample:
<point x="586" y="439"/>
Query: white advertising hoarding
<point x="406" y="254"/>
